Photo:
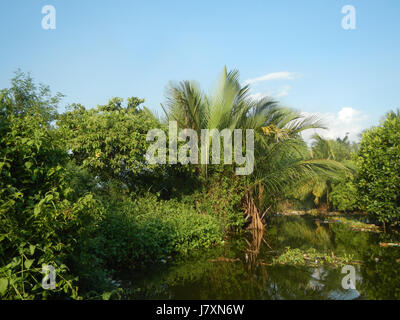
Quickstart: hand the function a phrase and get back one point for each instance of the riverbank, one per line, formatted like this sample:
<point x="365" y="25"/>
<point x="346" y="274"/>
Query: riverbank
<point x="246" y="268"/>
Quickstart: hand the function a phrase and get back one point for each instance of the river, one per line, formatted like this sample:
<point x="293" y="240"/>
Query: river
<point x="242" y="266"/>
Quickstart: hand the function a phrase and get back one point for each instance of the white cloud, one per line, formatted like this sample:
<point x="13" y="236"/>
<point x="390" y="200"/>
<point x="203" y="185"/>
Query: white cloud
<point x="348" y="115"/>
<point x="283" y="75"/>
<point x="347" y="121"/>
<point x="276" y="93"/>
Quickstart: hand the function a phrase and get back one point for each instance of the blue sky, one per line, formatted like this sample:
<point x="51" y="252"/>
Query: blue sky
<point x="295" y="51"/>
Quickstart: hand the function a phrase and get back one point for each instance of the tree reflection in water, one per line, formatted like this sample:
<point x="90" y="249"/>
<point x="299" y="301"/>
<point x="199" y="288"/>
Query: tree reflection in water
<point x="242" y="268"/>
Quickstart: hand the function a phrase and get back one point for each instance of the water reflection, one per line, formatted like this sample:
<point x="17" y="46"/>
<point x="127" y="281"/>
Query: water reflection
<point x="241" y="269"/>
<point x="253" y="248"/>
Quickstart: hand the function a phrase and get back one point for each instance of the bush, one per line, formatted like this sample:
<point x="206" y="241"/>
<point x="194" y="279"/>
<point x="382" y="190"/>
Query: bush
<point x="147" y="229"/>
<point x="41" y="217"/>
<point x="344" y="197"/>
<point x="221" y="198"/>
<point x="379" y="164"/>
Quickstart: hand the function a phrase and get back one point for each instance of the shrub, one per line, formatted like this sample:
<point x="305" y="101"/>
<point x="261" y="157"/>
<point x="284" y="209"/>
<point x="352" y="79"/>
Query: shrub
<point x="147" y="229"/>
<point x="41" y="217"/>
<point x="379" y="164"/>
<point x="343" y="196"/>
<point x="221" y="198"/>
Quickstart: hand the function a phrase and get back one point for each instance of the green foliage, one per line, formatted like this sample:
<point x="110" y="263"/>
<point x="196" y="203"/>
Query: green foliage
<point x="221" y="198"/>
<point x="331" y="188"/>
<point x="279" y="157"/>
<point x="81" y="197"/>
<point x="311" y="257"/>
<point x="25" y="98"/>
<point x="322" y="185"/>
<point x="65" y="195"/>
<point x="339" y="149"/>
<point x="344" y="196"/>
<point x="109" y="141"/>
<point x="22" y="276"/>
<point x="41" y="217"/>
<point x="357" y="225"/>
<point x="379" y="164"/>
<point x="147" y="229"/>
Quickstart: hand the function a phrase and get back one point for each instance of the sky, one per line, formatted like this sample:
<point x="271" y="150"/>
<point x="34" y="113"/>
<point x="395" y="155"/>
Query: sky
<point x="295" y="51"/>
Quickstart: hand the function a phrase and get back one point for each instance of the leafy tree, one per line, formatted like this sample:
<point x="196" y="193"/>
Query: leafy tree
<point x="379" y="164"/>
<point x="25" y="98"/>
<point x="344" y="196"/>
<point x="109" y="141"/>
<point x="41" y="217"/>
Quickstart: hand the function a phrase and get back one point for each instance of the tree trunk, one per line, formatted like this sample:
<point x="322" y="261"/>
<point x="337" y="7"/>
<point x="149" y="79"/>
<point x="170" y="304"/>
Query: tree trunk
<point x="251" y="209"/>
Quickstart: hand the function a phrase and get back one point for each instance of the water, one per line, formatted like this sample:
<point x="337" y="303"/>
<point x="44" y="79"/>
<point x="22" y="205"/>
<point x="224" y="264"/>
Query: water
<point x="238" y="269"/>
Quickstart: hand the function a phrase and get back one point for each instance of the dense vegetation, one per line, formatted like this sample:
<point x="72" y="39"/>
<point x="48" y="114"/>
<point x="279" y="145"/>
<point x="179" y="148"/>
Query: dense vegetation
<point x="77" y="193"/>
<point x="379" y="163"/>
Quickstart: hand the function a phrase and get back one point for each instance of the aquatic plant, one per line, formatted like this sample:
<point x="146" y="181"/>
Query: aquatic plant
<point x="312" y="257"/>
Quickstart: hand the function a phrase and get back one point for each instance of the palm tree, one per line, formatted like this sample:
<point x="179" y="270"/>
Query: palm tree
<point x="338" y="150"/>
<point x="279" y="149"/>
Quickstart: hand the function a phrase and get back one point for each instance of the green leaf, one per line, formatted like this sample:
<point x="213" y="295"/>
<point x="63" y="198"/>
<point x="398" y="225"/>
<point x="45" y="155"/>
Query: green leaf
<point x="28" y="263"/>
<point x="32" y="248"/>
<point x="28" y="165"/>
<point x="3" y="285"/>
<point x="106" y="295"/>
<point x="37" y="210"/>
